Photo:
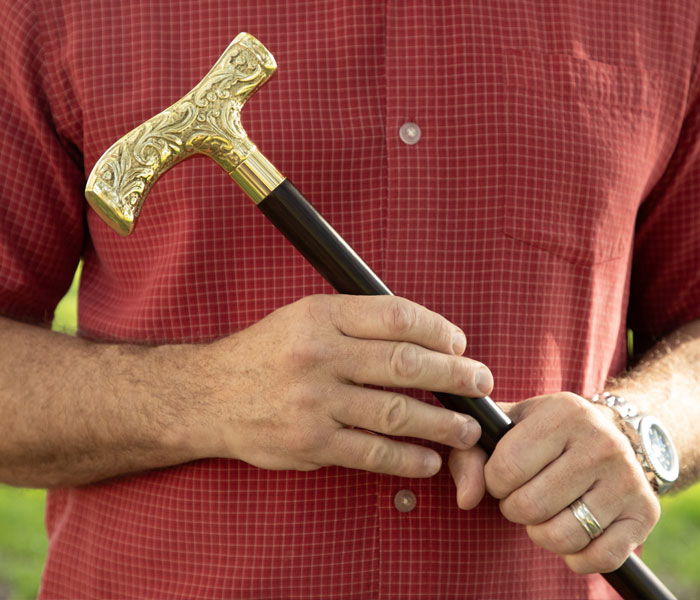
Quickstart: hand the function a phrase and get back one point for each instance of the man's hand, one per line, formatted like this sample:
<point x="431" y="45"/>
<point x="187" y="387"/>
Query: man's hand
<point x="563" y="448"/>
<point x="288" y="390"/>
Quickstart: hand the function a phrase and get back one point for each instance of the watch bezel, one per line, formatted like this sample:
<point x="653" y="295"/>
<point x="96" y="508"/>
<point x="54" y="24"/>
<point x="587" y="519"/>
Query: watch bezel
<point x="646" y="424"/>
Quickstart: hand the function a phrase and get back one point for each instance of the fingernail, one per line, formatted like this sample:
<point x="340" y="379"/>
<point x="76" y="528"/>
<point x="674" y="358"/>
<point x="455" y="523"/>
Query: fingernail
<point x="432" y="463"/>
<point x="459" y="343"/>
<point x="470" y="434"/>
<point x="484" y="380"/>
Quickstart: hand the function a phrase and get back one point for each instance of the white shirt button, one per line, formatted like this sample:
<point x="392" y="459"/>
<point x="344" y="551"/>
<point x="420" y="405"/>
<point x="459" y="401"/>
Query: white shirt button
<point x="409" y="133"/>
<point x="405" y="501"/>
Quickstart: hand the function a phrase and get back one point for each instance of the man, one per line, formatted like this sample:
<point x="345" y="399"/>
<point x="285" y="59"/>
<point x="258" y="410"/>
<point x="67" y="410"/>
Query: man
<point x="526" y="174"/>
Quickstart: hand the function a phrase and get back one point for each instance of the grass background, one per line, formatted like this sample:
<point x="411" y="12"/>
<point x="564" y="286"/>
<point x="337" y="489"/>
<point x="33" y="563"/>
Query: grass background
<point x="672" y="551"/>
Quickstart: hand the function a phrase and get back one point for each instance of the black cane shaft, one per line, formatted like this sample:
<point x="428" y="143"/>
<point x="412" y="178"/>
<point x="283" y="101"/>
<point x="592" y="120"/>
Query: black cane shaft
<point x="319" y="243"/>
<point x="635" y="581"/>
<point x="341" y="266"/>
<point x="494" y="422"/>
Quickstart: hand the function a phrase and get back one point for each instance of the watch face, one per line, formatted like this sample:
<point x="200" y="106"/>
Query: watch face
<point x="659" y="449"/>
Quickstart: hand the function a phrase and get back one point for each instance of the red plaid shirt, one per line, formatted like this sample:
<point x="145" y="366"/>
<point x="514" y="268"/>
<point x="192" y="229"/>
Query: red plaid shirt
<point x="551" y="199"/>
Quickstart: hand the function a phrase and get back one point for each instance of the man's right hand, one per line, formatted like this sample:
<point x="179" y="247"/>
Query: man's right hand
<point x="287" y="392"/>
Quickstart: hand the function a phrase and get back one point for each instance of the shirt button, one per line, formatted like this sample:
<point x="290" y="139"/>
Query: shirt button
<point x="405" y="501"/>
<point x="409" y="133"/>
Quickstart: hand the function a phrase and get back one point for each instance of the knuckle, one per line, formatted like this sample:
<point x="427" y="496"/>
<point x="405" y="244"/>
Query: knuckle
<point x="525" y="507"/>
<point x="452" y="424"/>
<point x="463" y="371"/>
<point x="395" y="414"/>
<point x="574" y="406"/>
<point x="317" y="307"/>
<point x="632" y="485"/>
<point x="580" y="565"/>
<point x="652" y="511"/>
<point x="303" y="398"/>
<point x="559" y="540"/>
<point x="639" y="530"/>
<point x="309" y="441"/>
<point x="378" y="457"/>
<point x="337" y="308"/>
<point x="612" y="446"/>
<point x="577" y="565"/>
<point x="502" y="473"/>
<point x="404" y="361"/>
<point x="603" y="559"/>
<point x="308" y="352"/>
<point x="440" y="331"/>
<point x="399" y="317"/>
<point x="645" y="517"/>
<point x="460" y="371"/>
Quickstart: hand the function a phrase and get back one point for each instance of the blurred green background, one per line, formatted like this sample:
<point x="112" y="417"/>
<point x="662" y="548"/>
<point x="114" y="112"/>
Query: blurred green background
<point x="672" y="551"/>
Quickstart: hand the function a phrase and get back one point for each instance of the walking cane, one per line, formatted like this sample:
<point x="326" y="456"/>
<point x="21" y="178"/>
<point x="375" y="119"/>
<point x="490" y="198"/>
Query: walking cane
<point x="207" y="121"/>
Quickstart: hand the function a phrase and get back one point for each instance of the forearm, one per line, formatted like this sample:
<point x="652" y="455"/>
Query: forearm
<point x="666" y="384"/>
<point x="74" y="411"/>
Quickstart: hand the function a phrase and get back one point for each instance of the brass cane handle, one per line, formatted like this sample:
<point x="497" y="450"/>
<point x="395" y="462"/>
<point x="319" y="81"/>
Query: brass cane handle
<point x="206" y="121"/>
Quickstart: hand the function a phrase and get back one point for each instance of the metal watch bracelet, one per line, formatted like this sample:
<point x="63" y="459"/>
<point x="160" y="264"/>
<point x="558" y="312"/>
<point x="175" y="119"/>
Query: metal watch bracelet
<point x="650" y="441"/>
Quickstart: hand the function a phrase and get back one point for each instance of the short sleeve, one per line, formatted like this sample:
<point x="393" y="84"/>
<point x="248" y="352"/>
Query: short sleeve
<point x="41" y="206"/>
<point x="665" y="282"/>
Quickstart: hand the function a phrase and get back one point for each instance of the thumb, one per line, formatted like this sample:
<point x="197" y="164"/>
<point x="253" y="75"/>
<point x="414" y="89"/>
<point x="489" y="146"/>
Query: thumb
<point x="467" y="469"/>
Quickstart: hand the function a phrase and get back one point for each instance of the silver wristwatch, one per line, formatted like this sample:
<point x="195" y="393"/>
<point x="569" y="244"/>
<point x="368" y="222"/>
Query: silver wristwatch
<point x="650" y="439"/>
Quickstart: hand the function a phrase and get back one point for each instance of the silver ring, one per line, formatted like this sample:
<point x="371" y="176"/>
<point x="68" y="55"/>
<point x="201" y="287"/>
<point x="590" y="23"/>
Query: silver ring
<point x="585" y="517"/>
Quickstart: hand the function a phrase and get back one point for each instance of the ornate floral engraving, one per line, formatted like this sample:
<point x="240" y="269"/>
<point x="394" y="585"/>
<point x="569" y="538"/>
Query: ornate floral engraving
<point x="207" y="120"/>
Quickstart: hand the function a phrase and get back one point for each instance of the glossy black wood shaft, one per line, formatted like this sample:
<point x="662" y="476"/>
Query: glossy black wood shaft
<point x="342" y="267"/>
<point x="319" y="243"/>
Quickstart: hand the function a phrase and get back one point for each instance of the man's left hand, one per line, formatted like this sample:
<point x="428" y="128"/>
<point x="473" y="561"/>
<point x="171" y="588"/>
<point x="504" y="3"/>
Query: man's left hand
<point x="563" y="448"/>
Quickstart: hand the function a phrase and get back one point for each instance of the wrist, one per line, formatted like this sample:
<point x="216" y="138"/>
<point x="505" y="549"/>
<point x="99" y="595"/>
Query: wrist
<point x="179" y="386"/>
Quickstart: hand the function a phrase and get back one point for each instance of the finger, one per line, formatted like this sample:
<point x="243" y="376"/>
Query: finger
<point x="551" y="490"/>
<point x="403" y="364"/>
<point x="395" y="319"/>
<point x="563" y="534"/>
<point x="467" y="469"/>
<point x="517" y="459"/>
<point x="610" y="550"/>
<point x="356" y="449"/>
<point x="553" y="421"/>
<point x="396" y="414"/>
